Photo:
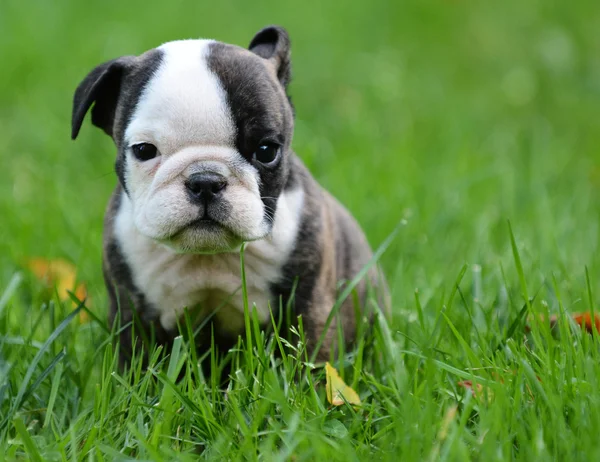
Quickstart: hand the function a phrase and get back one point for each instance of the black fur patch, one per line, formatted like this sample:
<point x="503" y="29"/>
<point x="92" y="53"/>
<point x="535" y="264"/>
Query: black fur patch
<point x="304" y="264"/>
<point x="260" y="110"/>
<point x="273" y="43"/>
<point x="99" y="88"/>
<point x="133" y="85"/>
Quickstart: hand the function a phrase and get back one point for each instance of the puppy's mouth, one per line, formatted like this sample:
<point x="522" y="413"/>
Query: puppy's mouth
<point x="203" y="235"/>
<point x="205" y="224"/>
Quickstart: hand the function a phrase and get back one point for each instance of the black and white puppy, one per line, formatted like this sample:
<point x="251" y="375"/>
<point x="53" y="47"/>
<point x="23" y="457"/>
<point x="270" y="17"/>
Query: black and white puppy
<point x="203" y="132"/>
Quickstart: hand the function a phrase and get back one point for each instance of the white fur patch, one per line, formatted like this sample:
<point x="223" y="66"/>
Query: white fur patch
<point x="184" y="103"/>
<point x="183" y="111"/>
<point x="173" y="281"/>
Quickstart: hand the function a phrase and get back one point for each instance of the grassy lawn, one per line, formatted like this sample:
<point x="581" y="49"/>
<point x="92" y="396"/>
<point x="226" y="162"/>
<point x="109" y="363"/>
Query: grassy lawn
<point x="445" y="120"/>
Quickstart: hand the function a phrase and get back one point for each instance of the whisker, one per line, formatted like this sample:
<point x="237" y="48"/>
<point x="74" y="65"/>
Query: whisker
<point x="270" y="214"/>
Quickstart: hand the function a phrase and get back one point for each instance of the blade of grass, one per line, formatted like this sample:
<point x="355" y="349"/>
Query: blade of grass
<point x="11" y="288"/>
<point x="465" y="346"/>
<point x="247" y="318"/>
<point x="591" y="303"/>
<point x="23" y="389"/>
<point x="448" y="368"/>
<point x="32" y="450"/>
<point x="44" y="374"/>
<point x="519" y="266"/>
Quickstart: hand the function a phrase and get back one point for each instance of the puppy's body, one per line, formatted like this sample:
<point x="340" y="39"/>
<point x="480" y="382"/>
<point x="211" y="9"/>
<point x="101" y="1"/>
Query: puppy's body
<point x="204" y="131"/>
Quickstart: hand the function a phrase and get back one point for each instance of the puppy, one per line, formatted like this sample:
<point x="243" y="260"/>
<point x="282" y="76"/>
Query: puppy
<point x="203" y="132"/>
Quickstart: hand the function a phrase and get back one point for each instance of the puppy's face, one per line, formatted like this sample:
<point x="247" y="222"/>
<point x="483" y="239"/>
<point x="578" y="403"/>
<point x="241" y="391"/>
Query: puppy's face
<point x="203" y="131"/>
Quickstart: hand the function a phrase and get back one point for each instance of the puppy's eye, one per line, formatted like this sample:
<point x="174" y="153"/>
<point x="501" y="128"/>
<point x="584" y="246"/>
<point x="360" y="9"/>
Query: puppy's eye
<point x="267" y="153"/>
<point x="144" y="151"/>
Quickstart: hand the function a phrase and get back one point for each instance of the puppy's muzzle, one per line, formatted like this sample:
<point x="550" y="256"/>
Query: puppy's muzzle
<point x="205" y="187"/>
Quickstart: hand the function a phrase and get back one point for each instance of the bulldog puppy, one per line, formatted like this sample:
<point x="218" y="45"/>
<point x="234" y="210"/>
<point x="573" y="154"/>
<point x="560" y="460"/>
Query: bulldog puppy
<point x="203" y="132"/>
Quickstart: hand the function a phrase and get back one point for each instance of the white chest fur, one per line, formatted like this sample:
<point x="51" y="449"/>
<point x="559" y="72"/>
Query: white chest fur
<point x="172" y="282"/>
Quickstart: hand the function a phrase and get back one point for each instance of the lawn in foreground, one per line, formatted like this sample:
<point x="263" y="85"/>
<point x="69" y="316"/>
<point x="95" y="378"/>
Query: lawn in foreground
<point x="532" y="394"/>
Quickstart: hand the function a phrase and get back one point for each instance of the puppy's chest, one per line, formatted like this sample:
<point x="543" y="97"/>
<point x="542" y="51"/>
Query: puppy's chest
<point x="203" y="284"/>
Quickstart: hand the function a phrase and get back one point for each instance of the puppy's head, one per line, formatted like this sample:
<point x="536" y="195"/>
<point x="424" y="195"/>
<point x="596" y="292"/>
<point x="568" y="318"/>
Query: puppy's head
<point x="203" y="132"/>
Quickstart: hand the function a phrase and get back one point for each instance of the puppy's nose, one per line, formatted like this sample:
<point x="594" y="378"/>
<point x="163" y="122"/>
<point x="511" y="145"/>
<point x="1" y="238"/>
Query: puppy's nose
<point x="205" y="185"/>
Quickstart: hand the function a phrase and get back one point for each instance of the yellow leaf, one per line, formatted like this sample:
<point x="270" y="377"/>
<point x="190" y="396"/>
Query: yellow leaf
<point x="81" y="294"/>
<point x="338" y="392"/>
<point x="447" y="420"/>
<point x="62" y="275"/>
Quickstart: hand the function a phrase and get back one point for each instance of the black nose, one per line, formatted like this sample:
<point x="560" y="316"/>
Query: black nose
<point x="206" y="185"/>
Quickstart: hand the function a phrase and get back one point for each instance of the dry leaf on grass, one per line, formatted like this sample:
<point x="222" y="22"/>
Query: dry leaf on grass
<point x="62" y="275"/>
<point x="478" y="390"/>
<point x="583" y="320"/>
<point x="468" y="385"/>
<point x="338" y="392"/>
<point x="447" y="420"/>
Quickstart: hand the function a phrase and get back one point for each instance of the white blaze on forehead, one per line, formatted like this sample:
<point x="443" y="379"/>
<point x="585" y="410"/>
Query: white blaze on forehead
<point x="184" y="102"/>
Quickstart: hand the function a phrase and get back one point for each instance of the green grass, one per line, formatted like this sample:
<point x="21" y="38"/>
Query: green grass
<point x="453" y="118"/>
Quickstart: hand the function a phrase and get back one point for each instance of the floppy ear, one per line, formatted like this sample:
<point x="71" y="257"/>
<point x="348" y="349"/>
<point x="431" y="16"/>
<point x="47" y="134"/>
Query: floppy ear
<point x="273" y="43"/>
<point x="102" y="87"/>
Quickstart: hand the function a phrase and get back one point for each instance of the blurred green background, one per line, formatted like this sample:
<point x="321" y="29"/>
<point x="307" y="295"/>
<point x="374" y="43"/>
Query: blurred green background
<point x="453" y="116"/>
